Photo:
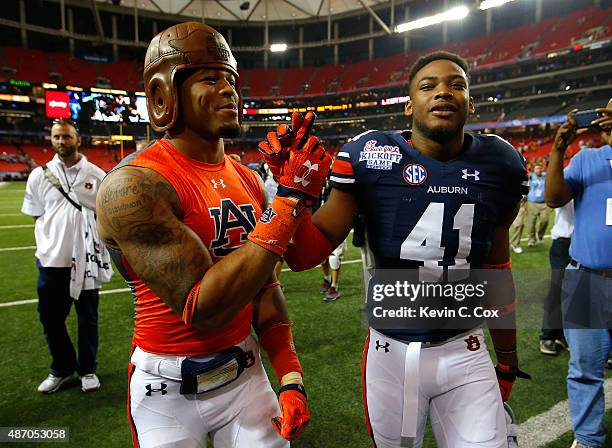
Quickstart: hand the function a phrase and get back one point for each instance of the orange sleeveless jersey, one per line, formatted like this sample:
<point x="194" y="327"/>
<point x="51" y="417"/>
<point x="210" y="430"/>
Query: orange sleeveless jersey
<point x="221" y="204"/>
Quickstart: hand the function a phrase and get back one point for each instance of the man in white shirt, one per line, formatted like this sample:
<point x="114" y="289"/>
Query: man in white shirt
<point x="58" y="217"/>
<point x="552" y="340"/>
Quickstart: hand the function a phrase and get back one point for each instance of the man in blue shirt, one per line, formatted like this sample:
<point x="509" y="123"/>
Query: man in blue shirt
<point x="536" y="208"/>
<point x="588" y="279"/>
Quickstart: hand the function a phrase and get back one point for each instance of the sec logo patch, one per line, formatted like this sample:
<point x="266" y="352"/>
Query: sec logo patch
<point x="415" y="174"/>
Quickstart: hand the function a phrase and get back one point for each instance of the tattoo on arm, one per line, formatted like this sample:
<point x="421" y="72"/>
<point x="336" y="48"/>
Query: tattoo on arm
<point x="139" y="212"/>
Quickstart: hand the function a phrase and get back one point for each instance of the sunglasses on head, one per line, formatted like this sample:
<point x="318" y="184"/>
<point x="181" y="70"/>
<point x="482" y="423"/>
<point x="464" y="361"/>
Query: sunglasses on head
<point x="62" y="121"/>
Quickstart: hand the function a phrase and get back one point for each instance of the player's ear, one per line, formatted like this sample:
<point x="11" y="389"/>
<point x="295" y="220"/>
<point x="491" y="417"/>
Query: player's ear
<point x="471" y="105"/>
<point x="408" y="108"/>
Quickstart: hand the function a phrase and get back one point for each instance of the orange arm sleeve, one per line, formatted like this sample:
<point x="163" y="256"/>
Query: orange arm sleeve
<point x="277" y="342"/>
<point x="310" y="247"/>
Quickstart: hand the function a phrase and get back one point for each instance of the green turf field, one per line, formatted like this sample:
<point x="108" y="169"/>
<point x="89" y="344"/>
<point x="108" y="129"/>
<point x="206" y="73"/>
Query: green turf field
<point x="329" y="338"/>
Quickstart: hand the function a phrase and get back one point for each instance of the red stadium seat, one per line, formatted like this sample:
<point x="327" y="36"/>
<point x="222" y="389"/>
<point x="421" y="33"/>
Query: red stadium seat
<point x="570" y="28"/>
<point x="384" y="69"/>
<point x="6" y="167"/>
<point x="294" y="80"/>
<point x="508" y="45"/>
<point x="322" y="77"/>
<point x="354" y="74"/>
<point x="75" y="71"/>
<point x="29" y="65"/>
<point x="40" y="154"/>
<point x="5" y="148"/>
<point x="262" y="81"/>
<point x="123" y="75"/>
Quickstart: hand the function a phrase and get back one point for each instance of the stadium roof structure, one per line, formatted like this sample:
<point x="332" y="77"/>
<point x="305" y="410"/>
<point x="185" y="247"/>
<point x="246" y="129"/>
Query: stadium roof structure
<point x="254" y="11"/>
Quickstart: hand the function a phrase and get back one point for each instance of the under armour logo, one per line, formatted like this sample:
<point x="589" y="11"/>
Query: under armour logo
<point x="473" y="343"/>
<point x="162" y="389"/>
<point x="249" y="359"/>
<point x="267" y="216"/>
<point x="309" y="167"/>
<point x="216" y="184"/>
<point x="384" y="346"/>
<point x="474" y="174"/>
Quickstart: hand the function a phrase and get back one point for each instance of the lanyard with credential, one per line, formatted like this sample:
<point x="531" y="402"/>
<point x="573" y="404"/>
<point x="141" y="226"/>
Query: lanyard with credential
<point x="56" y="183"/>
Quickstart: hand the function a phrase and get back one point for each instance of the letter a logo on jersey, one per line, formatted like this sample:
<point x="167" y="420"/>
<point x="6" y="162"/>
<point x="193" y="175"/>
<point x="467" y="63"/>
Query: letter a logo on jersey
<point x="231" y="218"/>
<point x="266" y="217"/>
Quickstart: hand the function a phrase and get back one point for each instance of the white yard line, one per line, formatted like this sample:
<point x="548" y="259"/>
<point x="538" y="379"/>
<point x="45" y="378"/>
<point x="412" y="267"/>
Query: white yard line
<point x="2" y="215"/>
<point x="17" y="226"/>
<point x="10" y="249"/>
<point x="114" y="291"/>
<point x="552" y="424"/>
<point x="26" y="302"/>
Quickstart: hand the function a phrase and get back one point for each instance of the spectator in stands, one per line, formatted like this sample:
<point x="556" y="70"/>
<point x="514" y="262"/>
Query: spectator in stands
<point x="537" y="212"/>
<point x="588" y="279"/>
<point x="61" y="196"/>
<point x="552" y="340"/>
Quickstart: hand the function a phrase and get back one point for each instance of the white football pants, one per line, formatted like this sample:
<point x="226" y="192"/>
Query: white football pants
<point x="235" y="416"/>
<point x="454" y="383"/>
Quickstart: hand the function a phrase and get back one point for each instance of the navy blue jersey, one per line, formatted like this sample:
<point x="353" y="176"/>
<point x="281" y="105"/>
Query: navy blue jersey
<point x="425" y="214"/>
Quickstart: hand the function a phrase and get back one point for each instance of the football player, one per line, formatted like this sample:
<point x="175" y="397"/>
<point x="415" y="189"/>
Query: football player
<point x="176" y="216"/>
<point x="434" y="199"/>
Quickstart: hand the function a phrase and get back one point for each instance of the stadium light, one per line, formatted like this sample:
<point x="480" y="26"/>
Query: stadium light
<point x="486" y="4"/>
<point x="278" y="48"/>
<point x="458" y="13"/>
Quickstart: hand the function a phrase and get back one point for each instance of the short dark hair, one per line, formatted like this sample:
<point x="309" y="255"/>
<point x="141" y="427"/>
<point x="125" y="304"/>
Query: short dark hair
<point x="63" y="121"/>
<point x="436" y="56"/>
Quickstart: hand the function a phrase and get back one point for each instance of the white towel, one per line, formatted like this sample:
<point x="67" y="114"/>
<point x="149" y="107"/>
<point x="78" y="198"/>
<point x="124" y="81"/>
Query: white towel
<point x="91" y="263"/>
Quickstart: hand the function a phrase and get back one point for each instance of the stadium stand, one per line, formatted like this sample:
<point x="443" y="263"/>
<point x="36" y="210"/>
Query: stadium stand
<point x="75" y="71"/>
<point x="322" y="78"/>
<point x="261" y="82"/>
<point x="123" y="75"/>
<point x="500" y="47"/>
<point x="8" y="149"/>
<point x="510" y="44"/>
<point x="40" y="154"/>
<point x="355" y="75"/>
<point x="8" y="167"/>
<point x="388" y="70"/>
<point x="570" y="28"/>
<point x="29" y="65"/>
<point x="294" y="80"/>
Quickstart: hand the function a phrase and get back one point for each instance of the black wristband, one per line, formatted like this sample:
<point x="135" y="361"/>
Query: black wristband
<point x="505" y="352"/>
<point x="293" y="386"/>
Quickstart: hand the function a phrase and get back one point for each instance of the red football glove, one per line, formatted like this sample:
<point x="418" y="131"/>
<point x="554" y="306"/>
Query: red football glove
<point x="506" y="376"/>
<point x="305" y="173"/>
<point x="294" y="411"/>
<point x="276" y="147"/>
